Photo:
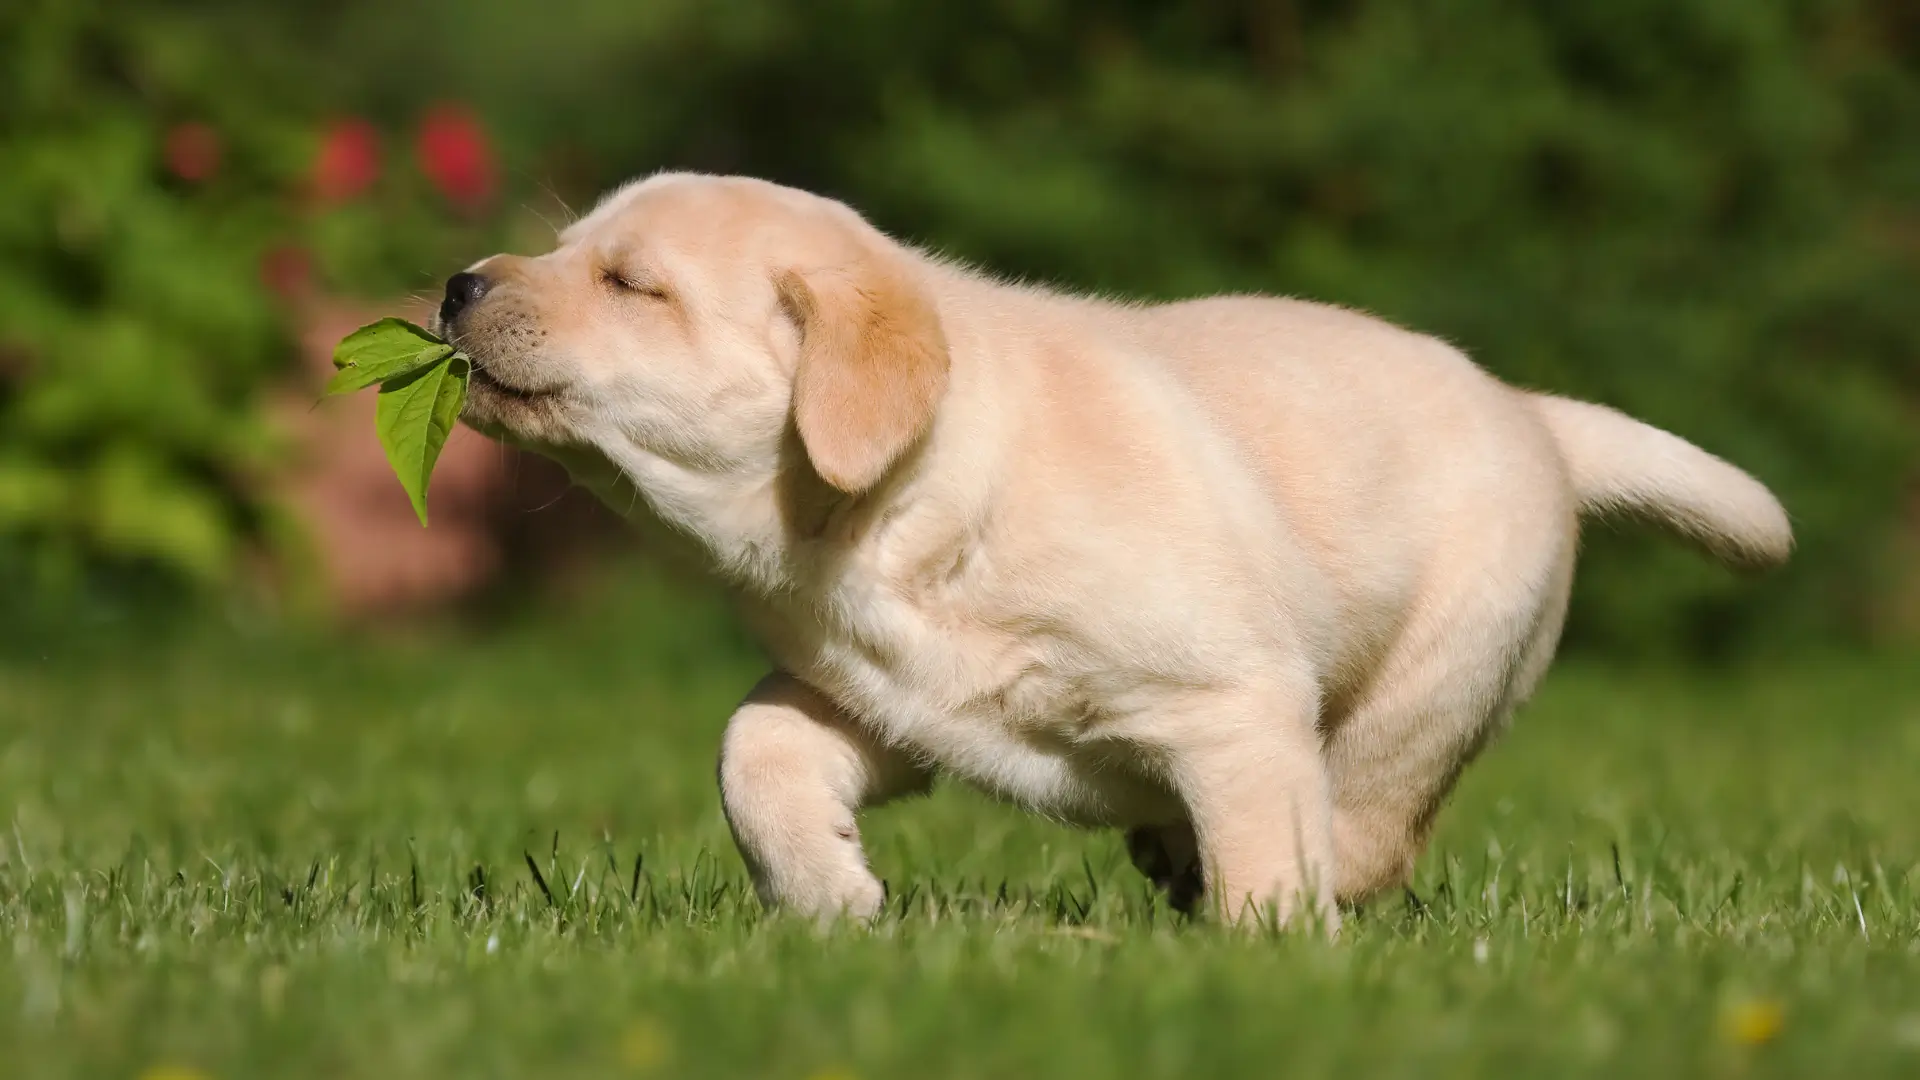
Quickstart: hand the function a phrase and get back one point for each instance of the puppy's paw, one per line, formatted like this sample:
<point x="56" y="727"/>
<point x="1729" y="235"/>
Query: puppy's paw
<point x="863" y="899"/>
<point x="842" y="897"/>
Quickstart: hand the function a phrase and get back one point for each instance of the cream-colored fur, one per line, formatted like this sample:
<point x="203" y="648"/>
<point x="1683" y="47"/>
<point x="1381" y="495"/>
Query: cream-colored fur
<point x="1252" y="578"/>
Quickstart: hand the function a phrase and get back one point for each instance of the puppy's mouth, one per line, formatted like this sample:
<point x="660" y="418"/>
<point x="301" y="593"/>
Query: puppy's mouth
<point x="484" y="379"/>
<point x="522" y="416"/>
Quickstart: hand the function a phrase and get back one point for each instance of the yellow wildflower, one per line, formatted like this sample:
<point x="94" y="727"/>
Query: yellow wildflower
<point x="174" y="1072"/>
<point x="1754" y="1022"/>
<point x="644" y="1047"/>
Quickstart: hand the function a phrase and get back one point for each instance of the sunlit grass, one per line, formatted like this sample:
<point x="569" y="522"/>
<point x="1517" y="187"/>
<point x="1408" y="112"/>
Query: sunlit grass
<point x="502" y="854"/>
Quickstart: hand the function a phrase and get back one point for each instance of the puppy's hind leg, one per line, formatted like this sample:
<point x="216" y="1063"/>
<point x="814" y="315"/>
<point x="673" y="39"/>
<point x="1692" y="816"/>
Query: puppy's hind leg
<point x="1449" y="689"/>
<point x="794" y="770"/>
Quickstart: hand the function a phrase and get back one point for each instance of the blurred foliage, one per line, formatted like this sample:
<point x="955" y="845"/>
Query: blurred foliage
<point x="1703" y="212"/>
<point x="158" y="188"/>
<point x="132" y="324"/>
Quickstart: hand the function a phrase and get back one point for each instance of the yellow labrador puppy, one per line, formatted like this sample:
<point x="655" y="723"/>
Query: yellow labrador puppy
<point x="1252" y="578"/>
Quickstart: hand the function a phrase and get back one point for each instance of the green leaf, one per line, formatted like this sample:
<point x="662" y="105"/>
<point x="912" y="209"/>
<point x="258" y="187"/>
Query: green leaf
<point x="384" y="351"/>
<point x="423" y="384"/>
<point x="359" y="377"/>
<point x="415" y="414"/>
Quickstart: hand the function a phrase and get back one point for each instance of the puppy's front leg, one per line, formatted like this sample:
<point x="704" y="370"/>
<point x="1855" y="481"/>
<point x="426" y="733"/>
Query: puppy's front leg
<point x="793" y="771"/>
<point x="1248" y="767"/>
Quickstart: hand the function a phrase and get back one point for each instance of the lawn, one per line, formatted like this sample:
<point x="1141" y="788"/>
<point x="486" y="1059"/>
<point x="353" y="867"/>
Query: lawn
<point x="233" y="852"/>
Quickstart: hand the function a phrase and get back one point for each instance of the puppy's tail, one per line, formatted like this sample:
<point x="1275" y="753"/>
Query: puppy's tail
<point x="1620" y="465"/>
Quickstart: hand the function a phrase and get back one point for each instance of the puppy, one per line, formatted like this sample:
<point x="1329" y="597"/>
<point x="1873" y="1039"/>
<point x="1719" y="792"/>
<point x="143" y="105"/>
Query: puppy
<point x="1251" y="578"/>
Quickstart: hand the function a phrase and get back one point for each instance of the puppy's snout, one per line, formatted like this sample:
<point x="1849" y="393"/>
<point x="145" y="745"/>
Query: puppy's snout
<point x="463" y="291"/>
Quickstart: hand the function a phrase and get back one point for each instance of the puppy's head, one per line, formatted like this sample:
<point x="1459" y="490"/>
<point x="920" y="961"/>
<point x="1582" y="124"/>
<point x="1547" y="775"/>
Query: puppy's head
<point x="698" y="323"/>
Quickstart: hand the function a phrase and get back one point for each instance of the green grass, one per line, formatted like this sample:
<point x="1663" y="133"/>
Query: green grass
<point x="270" y="856"/>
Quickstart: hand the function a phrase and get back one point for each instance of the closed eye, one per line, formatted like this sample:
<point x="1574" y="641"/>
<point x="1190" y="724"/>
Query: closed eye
<point x="635" y="284"/>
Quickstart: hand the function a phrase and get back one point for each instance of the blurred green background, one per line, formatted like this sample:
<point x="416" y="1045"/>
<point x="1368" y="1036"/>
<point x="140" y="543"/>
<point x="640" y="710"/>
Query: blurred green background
<point x="1706" y="213"/>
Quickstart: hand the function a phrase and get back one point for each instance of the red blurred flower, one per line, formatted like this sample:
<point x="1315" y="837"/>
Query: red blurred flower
<point x="349" y="160"/>
<point x="456" y="157"/>
<point x="286" y="271"/>
<point x="192" y="151"/>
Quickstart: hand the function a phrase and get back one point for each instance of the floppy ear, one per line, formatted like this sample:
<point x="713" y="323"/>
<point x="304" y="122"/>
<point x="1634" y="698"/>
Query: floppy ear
<point x="873" y="366"/>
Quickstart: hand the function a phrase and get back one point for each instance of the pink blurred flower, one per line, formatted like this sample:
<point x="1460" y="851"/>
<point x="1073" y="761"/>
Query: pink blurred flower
<point x="192" y="152"/>
<point x="349" y="160"/>
<point x="455" y="155"/>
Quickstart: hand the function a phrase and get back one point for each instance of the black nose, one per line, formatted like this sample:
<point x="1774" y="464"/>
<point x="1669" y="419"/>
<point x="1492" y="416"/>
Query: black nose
<point x="463" y="289"/>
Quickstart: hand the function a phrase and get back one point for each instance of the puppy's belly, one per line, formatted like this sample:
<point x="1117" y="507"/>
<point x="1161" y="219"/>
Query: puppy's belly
<point x="1038" y="760"/>
<point x="994" y="711"/>
<point x="1085" y="784"/>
